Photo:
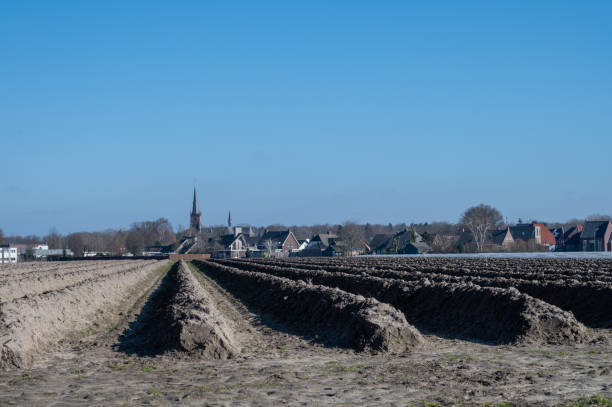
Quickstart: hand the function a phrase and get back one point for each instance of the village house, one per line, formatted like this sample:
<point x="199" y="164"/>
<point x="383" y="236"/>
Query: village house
<point x="22" y="250"/>
<point x="534" y="232"/>
<point x="559" y="234"/>
<point x="497" y="240"/>
<point x="47" y="253"/>
<point x="378" y="242"/>
<point x="323" y="245"/>
<point x="303" y="244"/>
<point x="278" y="242"/>
<point x="408" y="241"/>
<point x="362" y="247"/>
<point x="544" y="236"/>
<point x="252" y="245"/>
<point x="571" y="239"/>
<point x="502" y="239"/>
<point x="596" y="236"/>
<point x="8" y="254"/>
<point x="230" y="247"/>
<point x="238" y="242"/>
<point x="442" y="243"/>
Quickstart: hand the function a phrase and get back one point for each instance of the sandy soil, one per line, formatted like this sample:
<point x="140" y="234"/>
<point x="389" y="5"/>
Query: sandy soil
<point x="27" y="282"/>
<point x="30" y="324"/>
<point x="277" y="367"/>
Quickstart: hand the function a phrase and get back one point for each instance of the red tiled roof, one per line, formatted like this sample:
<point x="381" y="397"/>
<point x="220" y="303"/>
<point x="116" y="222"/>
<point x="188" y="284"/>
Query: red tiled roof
<point x="546" y="236"/>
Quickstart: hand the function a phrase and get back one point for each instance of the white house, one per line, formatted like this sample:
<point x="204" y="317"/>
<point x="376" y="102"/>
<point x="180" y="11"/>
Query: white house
<point x="8" y="254"/>
<point x="43" y="254"/>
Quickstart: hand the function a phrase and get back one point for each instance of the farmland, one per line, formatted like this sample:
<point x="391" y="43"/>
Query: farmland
<point x="306" y="331"/>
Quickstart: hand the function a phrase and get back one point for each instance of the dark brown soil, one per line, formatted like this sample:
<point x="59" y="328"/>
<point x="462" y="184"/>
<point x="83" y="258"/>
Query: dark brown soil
<point x="181" y="317"/>
<point x="588" y="295"/>
<point x="335" y="316"/>
<point x="458" y="310"/>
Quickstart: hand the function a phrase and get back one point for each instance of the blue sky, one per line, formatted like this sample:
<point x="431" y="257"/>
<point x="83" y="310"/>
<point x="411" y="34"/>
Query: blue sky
<point x="304" y="113"/>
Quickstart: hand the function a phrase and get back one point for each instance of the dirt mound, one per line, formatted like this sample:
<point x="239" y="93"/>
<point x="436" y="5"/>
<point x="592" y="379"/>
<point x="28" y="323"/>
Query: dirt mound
<point x="524" y="268"/>
<point x="589" y="301"/>
<point x="29" y="324"/>
<point x="50" y="279"/>
<point x="343" y="319"/>
<point x="490" y="314"/>
<point x="182" y="317"/>
<point x="460" y="310"/>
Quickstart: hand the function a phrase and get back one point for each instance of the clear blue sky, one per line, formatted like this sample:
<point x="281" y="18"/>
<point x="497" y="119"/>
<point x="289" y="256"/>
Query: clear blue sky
<point x="304" y="113"/>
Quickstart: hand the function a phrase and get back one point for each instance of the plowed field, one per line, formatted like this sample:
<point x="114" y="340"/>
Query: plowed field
<point x="363" y="331"/>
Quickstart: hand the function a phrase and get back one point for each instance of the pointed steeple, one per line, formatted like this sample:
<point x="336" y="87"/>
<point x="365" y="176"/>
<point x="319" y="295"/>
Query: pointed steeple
<point x="194" y="210"/>
<point x="195" y="222"/>
<point x="229" y="220"/>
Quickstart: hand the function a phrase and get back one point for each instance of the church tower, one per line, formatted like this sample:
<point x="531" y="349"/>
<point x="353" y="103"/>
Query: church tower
<point x="195" y="223"/>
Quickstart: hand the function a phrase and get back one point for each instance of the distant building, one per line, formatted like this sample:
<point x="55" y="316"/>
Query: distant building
<point x="230" y="247"/>
<point x="596" y="236"/>
<point x="378" y="242"/>
<point x="408" y="241"/>
<point x="43" y="254"/>
<point x="502" y="238"/>
<point x="442" y="243"/>
<point x="236" y="243"/>
<point x="571" y="239"/>
<point x="252" y="244"/>
<point x="497" y="240"/>
<point x="158" y="250"/>
<point x="416" y="248"/>
<point x="322" y="245"/>
<point x="195" y="224"/>
<point x="278" y="242"/>
<point x="536" y="232"/>
<point x="8" y="254"/>
<point x="303" y="244"/>
<point x="559" y="234"/>
<point x="189" y="242"/>
<point x="97" y="254"/>
<point x="543" y="235"/>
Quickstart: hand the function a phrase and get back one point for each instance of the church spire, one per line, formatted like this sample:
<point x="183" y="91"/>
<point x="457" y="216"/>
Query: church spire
<point x="229" y="219"/>
<point x="194" y="210"/>
<point x="195" y="219"/>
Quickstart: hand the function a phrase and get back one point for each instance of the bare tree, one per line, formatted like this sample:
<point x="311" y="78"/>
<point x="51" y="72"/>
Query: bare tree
<point x="269" y="244"/>
<point x="368" y="232"/>
<point x="54" y="239"/>
<point x="480" y="220"/>
<point x="351" y="235"/>
<point x="1" y="237"/>
<point x="74" y="241"/>
<point x="134" y="242"/>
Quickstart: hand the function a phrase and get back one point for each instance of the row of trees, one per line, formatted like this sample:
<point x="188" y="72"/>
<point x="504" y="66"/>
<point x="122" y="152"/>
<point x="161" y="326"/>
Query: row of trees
<point x="135" y="239"/>
<point x="480" y="220"/>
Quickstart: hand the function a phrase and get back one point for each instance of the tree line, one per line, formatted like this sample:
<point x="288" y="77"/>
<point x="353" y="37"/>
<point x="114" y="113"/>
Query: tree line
<point x="115" y="242"/>
<point x="478" y="220"/>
